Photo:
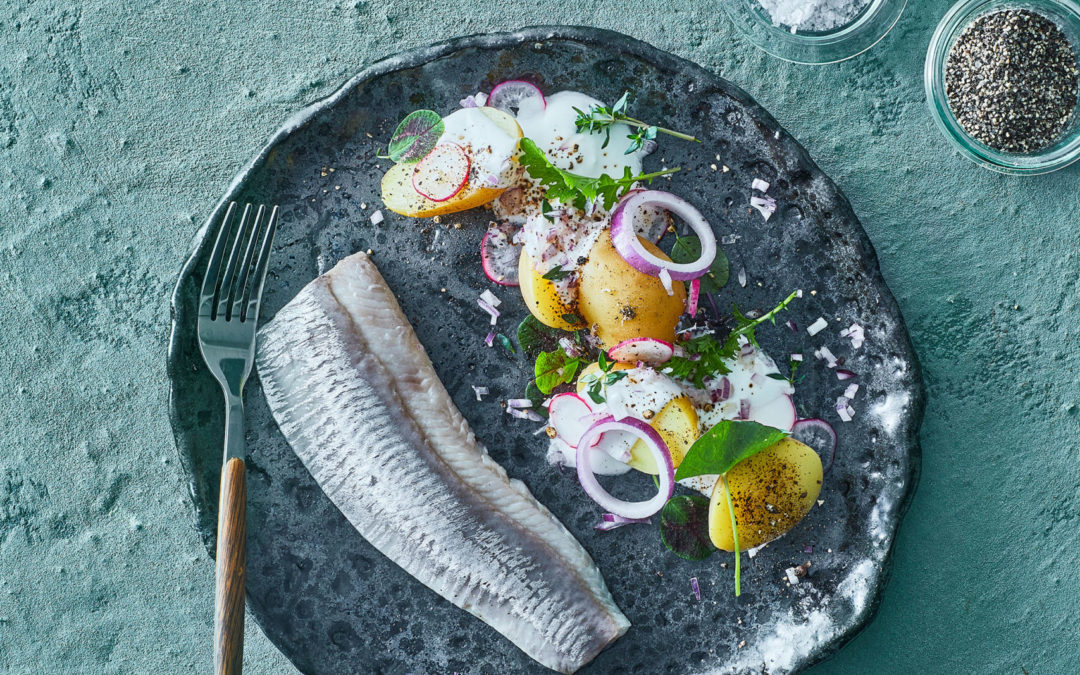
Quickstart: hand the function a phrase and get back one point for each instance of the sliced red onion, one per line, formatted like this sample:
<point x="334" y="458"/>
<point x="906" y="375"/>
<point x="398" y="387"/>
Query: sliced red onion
<point x="695" y="588"/>
<point x="480" y="392"/>
<point x="760" y="185"/>
<point x="518" y="403"/>
<point x="816" y="327"/>
<point x="625" y="239"/>
<point x="377" y="217"/>
<point x="692" y="297"/>
<point x="766" y="206"/>
<point x="655" y="445"/>
<point x="648" y="350"/>
<point x="844" y="374"/>
<point x="569" y="347"/>
<point x="744" y="409"/>
<point x="490" y="298"/>
<point x="746" y="350"/>
<point x="652" y="222"/>
<point x="516" y="94"/>
<point x="820" y="436"/>
<point x="665" y="279"/>
<point x="569" y="416"/>
<point x="610" y="521"/>
<point x="742" y="277"/>
<point x="486" y="306"/>
<point x="490" y="339"/>
<point x="826" y="353"/>
<point x="524" y="414"/>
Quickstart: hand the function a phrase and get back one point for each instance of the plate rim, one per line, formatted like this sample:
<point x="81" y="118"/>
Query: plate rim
<point x="180" y="314"/>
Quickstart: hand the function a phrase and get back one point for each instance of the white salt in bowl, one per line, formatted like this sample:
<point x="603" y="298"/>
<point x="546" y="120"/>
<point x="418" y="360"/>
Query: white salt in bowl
<point x="803" y="45"/>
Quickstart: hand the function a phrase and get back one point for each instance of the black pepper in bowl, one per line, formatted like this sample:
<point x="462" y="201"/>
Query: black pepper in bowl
<point x="1011" y="80"/>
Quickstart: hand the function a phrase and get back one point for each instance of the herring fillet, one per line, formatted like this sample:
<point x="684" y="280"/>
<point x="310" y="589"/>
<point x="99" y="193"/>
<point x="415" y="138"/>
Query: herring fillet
<point x="357" y="398"/>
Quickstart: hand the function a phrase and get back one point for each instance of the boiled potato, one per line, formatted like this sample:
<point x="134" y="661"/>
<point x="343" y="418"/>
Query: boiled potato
<point x="542" y="297"/>
<point x="771" y="491"/>
<point x="620" y="302"/>
<point x="399" y="195"/>
<point x="677" y="424"/>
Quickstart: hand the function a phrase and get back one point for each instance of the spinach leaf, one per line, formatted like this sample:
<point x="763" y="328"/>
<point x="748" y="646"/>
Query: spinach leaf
<point x="725" y="445"/>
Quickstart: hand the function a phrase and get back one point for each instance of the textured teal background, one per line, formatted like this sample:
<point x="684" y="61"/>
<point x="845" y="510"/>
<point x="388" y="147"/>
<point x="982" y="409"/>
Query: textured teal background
<point x="120" y="125"/>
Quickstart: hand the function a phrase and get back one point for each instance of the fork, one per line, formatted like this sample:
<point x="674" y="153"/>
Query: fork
<point x="228" y="314"/>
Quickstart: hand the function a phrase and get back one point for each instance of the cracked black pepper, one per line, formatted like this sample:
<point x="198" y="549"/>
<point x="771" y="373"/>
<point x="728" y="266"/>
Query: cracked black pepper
<point x="1011" y="80"/>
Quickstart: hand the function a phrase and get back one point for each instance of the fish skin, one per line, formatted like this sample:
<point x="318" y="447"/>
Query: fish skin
<point x="356" y="396"/>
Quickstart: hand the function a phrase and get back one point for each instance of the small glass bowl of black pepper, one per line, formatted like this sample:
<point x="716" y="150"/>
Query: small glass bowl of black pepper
<point x="1002" y="83"/>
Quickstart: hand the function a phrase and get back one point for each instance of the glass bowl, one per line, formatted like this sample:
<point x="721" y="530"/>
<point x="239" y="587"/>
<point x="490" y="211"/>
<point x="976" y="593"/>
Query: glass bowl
<point x="1066" y="14"/>
<point x="809" y="47"/>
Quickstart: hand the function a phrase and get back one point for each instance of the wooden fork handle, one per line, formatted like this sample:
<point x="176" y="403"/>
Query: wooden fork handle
<point x="230" y="571"/>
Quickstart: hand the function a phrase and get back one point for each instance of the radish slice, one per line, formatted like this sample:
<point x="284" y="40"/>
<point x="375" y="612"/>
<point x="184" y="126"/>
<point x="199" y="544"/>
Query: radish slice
<point x="820" y="436"/>
<point x="570" y="417"/>
<point x="499" y="254"/>
<point x="778" y="413"/>
<point x="652" y="222"/>
<point x="626" y="242"/>
<point x="647" y="350"/>
<point x="656" y="446"/>
<point x="516" y="97"/>
<point x="443" y="173"/>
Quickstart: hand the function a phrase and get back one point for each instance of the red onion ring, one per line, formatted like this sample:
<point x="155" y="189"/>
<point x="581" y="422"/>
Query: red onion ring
<point x="655" y="445"/>
<point x="626" y="242"/>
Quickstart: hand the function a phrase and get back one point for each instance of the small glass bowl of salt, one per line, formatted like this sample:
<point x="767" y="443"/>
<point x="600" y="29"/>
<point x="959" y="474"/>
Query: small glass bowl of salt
<point x="814" y="31"/>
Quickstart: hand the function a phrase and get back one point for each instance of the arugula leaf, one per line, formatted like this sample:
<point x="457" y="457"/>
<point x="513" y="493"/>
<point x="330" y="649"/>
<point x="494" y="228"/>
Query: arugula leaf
<point x="684" y="527"/>
<point x="415" y="136"/>
<point x="554" y="368"/>
<point x="725" y="445"/>
<point x="535" y="337"/>
<point x="571" y="188"/>
<point x="688" y="249"/>
<point x="557" y="273"/>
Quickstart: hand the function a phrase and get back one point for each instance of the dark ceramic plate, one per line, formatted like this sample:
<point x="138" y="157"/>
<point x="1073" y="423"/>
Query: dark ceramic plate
<point x="335" y="605"/>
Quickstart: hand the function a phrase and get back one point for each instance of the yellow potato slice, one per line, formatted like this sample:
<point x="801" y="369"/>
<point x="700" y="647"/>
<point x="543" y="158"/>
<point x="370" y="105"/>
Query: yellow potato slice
<point x="677" y="424"/>
<point x="542" y="297"/>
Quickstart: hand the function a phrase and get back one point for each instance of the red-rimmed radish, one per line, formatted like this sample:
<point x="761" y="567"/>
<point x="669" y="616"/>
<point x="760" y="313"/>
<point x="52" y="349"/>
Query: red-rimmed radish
<point x="646" y="350"/>
<point x="570" y="415"/>
<point x="500" y="255"/>
<point x="820" y="436"/>
<point x="778" y="413"/>
<point x="625" y="239"/>
<point x="443" y="173"/>
<point x="516" y="96"/>
<point x="656" y="446"/>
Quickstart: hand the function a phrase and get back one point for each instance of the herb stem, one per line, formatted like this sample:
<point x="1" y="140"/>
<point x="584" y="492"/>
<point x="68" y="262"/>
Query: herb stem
<point x="768" y="316"/>
<point x="734" y="533"/>
<point x="654" y="174"/>
<point x="664" y="130"/>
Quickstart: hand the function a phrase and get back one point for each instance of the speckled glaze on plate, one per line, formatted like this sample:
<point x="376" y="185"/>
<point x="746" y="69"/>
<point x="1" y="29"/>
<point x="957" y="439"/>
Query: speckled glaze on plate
<point x="333" y="604"/>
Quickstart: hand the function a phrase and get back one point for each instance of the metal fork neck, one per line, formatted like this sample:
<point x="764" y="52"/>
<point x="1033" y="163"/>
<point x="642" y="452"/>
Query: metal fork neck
<point x="234" y="428"/>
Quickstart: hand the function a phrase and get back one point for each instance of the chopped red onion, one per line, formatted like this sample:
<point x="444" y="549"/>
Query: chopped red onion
<point x="695" y="588"/>
<point x="816" y="327"/>
<point x="766" y="206"/>
<point x="486" y="306"/>
<point x="477" y="100"/>
<point x="798" y="293"/>
<point x="856" y="333"/>
<point x="490" y="339"/>
<point x="569" y="347"/>
<point x="792" y="326"/>
<point x="844" y="409"/>
<point x="760" y="185"/>
<point x="742" y="277"/>
<point x="490" y="298"/>
<point x="830" y="358"/>
<point x="796" y="357"/>
<point x="692" y="297"/>
<point x="744" y="409"/>
<point x="524" y="414"/>
<point x="844" y="374"/>
<point x="665" y="278"/>
<point x="808" y="548"/>
<point x="377" y="217"/>
<point x="480" y="392"/>
<point x="518" y="403"/>
<point x="746" y="350"/>
<point x="611" y="521"/>
<point x="851" y="390"/>
<point x="729" y="239"/>
<point x="723" y="393"/>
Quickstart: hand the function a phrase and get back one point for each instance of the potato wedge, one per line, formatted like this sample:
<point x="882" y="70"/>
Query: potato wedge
<point x="542" y="297"/>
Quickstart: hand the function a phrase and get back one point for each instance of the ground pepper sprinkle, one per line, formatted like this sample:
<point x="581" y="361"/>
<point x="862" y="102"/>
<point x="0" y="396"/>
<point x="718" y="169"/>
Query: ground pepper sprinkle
<point x="1011" y="80"/>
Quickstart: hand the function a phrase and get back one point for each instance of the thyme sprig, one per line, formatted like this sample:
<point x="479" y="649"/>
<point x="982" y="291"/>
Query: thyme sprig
<point x="600" y="118"/>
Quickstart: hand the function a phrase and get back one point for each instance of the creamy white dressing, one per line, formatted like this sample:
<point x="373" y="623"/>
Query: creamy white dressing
<point x="490" y="149"/>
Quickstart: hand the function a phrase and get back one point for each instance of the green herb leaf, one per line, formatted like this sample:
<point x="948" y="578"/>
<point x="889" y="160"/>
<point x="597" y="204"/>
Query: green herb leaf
<point x="595" y="391"/>
<point x="688" y="249"/>
<point x="603" y="361"/>
<point x="776" y="376"/>
<point x="505" y="343"/>
<point x="554" y="368"/>
<point x="600" y="119"/>
<point x="536" y="397"/>
<point x="416" y="136"/>
<point x="535" y="337"/>
<point x="725" y="445"/>
<point x="571" y="188"/>
<point x="557" y="273"/>
<point x="684" y="527"/>
<point x="572" y="318"/>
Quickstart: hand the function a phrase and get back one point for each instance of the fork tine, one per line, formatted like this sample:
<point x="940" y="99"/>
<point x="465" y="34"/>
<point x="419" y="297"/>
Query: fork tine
<point x="210" y="281"/>
<point x="253" y="295"/>
<point x="225" y="287"/>
<point x="238" y="292"/>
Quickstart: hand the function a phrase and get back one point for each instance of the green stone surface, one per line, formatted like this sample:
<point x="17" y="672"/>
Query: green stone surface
<point x="122" y="123"/>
